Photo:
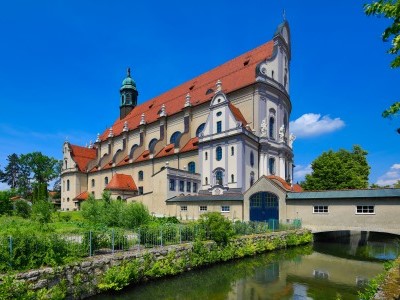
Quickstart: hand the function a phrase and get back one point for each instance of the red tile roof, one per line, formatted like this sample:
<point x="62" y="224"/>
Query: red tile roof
<point x="82" y="196"/>
<point x="108" y="165"/>
<point x="167" y="150"/>
<point x="285" y="185"/>
<point x="234" y="74"/>
<point x="122" y="182"/>
<point x="82" y="156"/>
<point x="144" y="156"/>
<point x="124" y="162"/>
<point x="193" y="144"/>
<point x="237" y="114"/>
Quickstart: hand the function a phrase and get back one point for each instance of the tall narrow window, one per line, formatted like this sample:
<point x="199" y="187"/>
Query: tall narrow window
<point x="105" y="180"/>
<point x="67" y="184"/>
<point x="192" y="167"/>
<point x="188" y="186"/>
<point x="218" y="153"/>
<point x="205" y="155"/>
<point x="251" y="178"/>
<point x="181" y="186"/>
<point x="219" y="177"/>
<point x="206" y="180"/>
<point x="140" y="175"/>
<point x="232" y="178"/>
<point x="219" y="126"/>
<point x="93" y="183"/>
<point x="232" y="151"/>
<point x="140" y="190"/>
<point x="271" y="128"/>
<point x="194" y="187"/>
<point x="172" y="184"/>
<point x="271" y="165"/>
<point x="252" y="159"/>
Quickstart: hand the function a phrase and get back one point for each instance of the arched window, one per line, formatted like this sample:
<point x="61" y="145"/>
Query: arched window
<point x="93" y="183"/>
<point x="272" y="128"/>
<point x="206" y="180"/>
<point x="174" y="137"/>
<point x="251" y="178"/>
<point x="105" y="180"/>
<point x="232" y="151"/>
<point x="67" y="184"/>
<point x="140" y="175"/>
<point x="205" y="155"/>
<point x="192" y="167"/>
<point x="271" y="165"/>
<point x="219" y="175"/>
<point x="232" y="178"/>
<point x="152" y="144"/>
<point x="66" y="164"/>
<point x="218" y="153"/>
<point x="252" y="159"/>
<point x="200" y="129"/>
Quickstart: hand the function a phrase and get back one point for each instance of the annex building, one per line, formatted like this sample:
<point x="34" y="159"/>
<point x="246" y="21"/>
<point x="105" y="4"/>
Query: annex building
<point x="218" y="142"/>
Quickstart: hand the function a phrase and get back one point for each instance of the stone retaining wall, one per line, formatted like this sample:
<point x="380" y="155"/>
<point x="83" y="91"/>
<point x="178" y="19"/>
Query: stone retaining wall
<point x="82" y="278"/>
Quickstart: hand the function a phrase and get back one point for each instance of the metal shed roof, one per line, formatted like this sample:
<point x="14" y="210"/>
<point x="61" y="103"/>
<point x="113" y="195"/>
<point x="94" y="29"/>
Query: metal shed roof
<point x="367" y="193"/>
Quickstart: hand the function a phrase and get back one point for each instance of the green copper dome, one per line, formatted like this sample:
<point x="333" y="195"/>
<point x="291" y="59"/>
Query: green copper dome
<point x="128" y="82"/>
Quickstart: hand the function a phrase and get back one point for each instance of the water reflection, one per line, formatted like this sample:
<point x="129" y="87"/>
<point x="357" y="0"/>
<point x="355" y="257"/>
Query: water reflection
<point x="324" y="271"/>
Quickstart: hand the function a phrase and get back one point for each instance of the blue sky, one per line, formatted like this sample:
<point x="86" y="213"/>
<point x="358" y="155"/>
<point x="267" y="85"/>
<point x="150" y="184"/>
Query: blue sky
<point x="62" y="63"/>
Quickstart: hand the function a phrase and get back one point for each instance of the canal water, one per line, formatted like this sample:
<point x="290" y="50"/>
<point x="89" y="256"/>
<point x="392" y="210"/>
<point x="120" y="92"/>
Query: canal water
<point x="334" y="266"/>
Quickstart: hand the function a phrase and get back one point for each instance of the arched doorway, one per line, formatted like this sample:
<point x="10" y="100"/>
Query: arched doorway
<point x="264" y="206"/>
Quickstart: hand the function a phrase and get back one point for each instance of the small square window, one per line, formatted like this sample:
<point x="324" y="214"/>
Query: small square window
<point x="365" y="209"/>
<point x="320" y="209"/>
<point x="140" y="190"/>
<point x="225" y="208"/>
<point x="183" y="207"/>
<point x="203" y="207"/>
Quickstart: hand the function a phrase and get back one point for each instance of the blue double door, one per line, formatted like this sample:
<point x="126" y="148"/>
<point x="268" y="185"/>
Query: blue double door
<point x="264" y="206"/>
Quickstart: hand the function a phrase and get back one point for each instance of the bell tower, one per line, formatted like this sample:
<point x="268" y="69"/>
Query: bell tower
<point x="128" y="94"/>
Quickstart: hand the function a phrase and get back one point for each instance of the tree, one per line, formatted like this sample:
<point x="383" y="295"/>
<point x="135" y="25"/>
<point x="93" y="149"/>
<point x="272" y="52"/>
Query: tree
<point x="339" y="170"/>
<point x="397" y="184"/>
<point x="6" y="206"/>
<point x="43" y="168"/>
<point x="12" y="171"/>
<point x="389" y="9"/>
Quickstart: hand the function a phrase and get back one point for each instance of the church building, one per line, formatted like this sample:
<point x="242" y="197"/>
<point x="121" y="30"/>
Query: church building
<point x="199" y="147"/>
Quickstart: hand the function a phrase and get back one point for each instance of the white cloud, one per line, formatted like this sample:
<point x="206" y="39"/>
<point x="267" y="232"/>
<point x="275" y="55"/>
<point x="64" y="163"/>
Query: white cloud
<point x="300" y="172"/>
<point x="390" y="177"/>
<point x="310" y="125"/>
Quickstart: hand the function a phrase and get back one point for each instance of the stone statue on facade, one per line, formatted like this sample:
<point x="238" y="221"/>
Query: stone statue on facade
<point x="292" y="137"/>
<point x="263" y="128"/>
<point x="282" y="133"/>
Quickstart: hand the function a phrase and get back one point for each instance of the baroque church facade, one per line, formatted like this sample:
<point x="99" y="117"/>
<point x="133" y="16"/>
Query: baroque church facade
<point x="198" y="147"/>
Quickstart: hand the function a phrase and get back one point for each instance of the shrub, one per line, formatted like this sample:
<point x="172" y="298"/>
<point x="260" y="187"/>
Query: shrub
<point x="135" y="215"/>
<point x="216" y="227"/>
<point x="41" y="211"/>
<point x="22" y="209"/>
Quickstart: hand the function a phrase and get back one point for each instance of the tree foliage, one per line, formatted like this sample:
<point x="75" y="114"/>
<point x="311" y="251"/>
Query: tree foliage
<point x="27" y="170"/>
<point x="339" y="170"/>
<point x="11" y="172"/>
<point x="389" y="9"/>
